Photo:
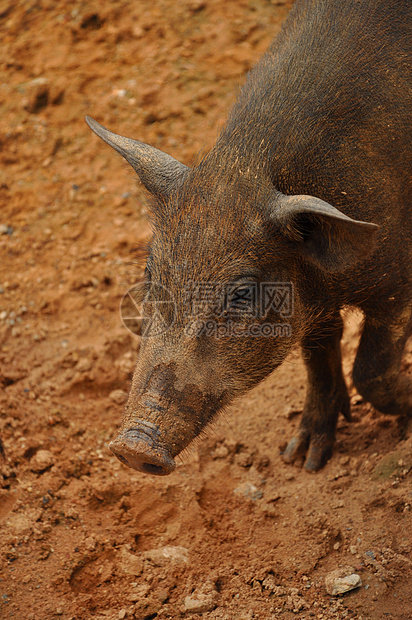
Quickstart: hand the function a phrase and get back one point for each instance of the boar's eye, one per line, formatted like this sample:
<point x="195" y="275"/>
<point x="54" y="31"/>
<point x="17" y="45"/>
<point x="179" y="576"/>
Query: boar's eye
<point x="242" y="299"/>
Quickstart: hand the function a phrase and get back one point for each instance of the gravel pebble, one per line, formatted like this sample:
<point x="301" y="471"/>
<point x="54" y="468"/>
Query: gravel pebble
<point x="249" y="490"/>
<point x="342" y="580"/>
<point x="167" y="555"/>
<point x="5" y="229"/>
<point x="129" y="563"/>
<point x="199" y="602"/>
<point x="42" y="460"/>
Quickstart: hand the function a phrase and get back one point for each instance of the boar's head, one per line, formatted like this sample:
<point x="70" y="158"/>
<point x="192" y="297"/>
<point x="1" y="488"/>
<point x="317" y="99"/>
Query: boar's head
<point x="221" y="309"/>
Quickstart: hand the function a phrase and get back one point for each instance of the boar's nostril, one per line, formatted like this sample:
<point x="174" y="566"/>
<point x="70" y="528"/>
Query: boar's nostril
<point x="139" y="447"/>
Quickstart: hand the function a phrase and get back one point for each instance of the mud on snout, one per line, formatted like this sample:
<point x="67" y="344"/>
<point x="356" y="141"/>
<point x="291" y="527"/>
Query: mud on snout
<point x="161" y="420"/>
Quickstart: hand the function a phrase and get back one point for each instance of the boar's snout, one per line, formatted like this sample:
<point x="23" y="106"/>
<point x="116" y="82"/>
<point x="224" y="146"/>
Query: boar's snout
<point x="139" y="447"/>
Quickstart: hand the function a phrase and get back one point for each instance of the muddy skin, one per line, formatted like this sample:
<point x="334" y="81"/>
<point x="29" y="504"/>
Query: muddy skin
<point x="145" y="441"/>
<point x="307" y="184"/>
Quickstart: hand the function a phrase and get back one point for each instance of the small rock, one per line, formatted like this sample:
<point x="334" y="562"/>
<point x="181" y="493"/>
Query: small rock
<point x="146" y="608"/>
<point x="221" y="452"/>
<point x="342" y="580"/>
<point x="167" y="555"/>
<point x="70" y="512"/>
<point x="90" y="543"/>
<point x="84" y="364"/>
<point x="37" y="95"/>
<point x="272" y="494"/>
<point x="139" y="592"/>
<point x="244" y="459"/>
<point x="162" y="595"/>
<point x="247" y="615"/>
<point x="292" y="412"/>
<point x="42" y="460"/>
<point x="129" y="563"/>
<point x="295" y="602"/>
<point x="249" y="490"/>
<point x="122" y="614"/>
<point x="118" y="396"/>
<point x="200" y="602"/>
<point x="119" y="92"/>
<point x="5" y="229"/>
<point x="270" y="583"/>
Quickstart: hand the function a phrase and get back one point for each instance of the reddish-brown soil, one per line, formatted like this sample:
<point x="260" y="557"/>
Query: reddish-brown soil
<point x="233" y="533"/>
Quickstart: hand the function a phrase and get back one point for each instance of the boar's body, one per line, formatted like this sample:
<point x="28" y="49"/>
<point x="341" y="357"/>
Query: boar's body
<point x="324" y="119"/>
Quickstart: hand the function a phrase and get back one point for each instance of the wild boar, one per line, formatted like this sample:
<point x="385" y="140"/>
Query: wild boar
<point x="306" y="191"/>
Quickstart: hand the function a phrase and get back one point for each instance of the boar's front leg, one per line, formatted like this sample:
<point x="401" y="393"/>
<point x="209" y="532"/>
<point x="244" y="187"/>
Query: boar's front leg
<point x="326" y="396"/>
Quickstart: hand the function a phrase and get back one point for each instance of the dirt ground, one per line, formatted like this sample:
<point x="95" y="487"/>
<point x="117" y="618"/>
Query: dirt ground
<point x="233" y="533"/>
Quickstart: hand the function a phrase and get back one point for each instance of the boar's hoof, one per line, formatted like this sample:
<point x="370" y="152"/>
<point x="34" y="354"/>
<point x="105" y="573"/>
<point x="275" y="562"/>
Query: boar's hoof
<point x="296" y="449"/>
<point x="318" y="455"/>
<point x="317" y="450"/>
<point x="138" y="447"/>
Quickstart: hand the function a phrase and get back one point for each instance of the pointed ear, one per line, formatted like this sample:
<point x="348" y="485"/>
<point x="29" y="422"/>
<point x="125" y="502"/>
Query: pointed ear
<point x="322" y="234"/>
<point x="160" y="173"/>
